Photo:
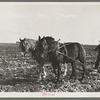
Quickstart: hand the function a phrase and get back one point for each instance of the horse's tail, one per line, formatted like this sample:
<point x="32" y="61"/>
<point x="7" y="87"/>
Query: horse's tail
<point x="82" y="54"/>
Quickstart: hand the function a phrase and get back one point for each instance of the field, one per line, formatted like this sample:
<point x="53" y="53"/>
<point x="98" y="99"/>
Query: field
<point x="21" y="74"/>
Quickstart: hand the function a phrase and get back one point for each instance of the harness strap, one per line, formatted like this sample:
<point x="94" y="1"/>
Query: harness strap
<point x="71" y="59"/>
<point x="59" y="47"/>
<point x="63" y="46"/>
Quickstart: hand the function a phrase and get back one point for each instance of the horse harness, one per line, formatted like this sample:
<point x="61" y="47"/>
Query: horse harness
<point x="58" y="47"/>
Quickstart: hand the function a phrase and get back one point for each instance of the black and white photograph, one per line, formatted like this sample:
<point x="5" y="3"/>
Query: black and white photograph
<point x="49" y="49"/>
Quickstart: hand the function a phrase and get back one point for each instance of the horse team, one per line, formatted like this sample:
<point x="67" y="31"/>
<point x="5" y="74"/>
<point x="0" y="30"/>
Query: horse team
<point x="47" y="49"/>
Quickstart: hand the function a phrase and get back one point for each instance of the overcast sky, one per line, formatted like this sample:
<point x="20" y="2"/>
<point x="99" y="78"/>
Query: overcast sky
<point x="68" y="22"/>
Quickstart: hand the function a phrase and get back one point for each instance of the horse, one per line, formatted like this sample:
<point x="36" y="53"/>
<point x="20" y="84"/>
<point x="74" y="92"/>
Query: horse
<point x="27" y="46"/>
<point x="58" y="53"/>
<point x="98" y="56"/>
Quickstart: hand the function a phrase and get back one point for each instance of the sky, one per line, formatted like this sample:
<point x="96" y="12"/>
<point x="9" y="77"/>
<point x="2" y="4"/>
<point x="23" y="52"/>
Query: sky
<point x="70" y="22"/>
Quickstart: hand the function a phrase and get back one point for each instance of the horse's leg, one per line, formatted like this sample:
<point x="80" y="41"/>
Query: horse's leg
<point x="59" y="71"/>
<point x="97" y="62"/>
<point x="65" y="68"/>
<point x="81" y="60"/>
<point x="54" y="68"/>
<point x="58" y="67"/>
<point x="40" y="76"/>
<point x="73" y="69"/>
<point x="41" y="70"/>
<point x="54" y="71"/>
<point x="83" y="73"/>
<point x="44" y="71"/>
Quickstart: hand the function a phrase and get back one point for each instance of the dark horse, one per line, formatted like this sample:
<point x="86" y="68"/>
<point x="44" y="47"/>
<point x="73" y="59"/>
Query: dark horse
<point x="27" y="46"/>
<point x="57" y="53"/>
<point x="98" y="56"/>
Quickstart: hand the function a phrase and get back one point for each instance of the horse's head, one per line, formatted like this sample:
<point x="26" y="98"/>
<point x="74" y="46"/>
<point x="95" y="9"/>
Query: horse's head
<point x="24" y="46"/>
<point x="42" y="47"/>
